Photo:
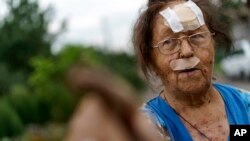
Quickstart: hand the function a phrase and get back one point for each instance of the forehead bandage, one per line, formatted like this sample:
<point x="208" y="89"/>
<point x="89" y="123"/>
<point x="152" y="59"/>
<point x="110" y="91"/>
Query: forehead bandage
<point x="183" y="17"/>
<point x="183" y="64"/>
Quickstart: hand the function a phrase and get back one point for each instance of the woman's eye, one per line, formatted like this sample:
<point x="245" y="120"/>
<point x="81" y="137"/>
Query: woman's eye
<point x="197" y="36"/>
<point x="168" y="42"/>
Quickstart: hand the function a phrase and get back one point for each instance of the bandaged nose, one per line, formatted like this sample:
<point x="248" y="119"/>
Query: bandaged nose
<point x="184" y="63"/>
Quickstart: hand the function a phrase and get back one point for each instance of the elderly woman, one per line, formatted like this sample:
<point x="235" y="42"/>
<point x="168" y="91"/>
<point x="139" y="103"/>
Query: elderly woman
<point x="175" y="41"/>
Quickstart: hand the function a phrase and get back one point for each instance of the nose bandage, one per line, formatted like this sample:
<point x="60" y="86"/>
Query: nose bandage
<point x="183" y="17"/>
<point x="183" y="64"/>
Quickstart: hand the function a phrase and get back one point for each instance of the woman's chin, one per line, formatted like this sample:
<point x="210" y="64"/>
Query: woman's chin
<point x="194" y="86"/>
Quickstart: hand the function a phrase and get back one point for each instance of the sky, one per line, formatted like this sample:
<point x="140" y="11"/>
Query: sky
<point x="105" y="23"/>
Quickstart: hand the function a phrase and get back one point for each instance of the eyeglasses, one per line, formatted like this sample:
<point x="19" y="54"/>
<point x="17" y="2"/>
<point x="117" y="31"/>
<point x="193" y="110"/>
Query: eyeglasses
<point x="173" y="45"/>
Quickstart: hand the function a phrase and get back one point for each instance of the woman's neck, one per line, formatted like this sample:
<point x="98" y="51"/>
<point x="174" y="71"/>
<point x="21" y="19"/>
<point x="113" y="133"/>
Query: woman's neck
<point x="195" y="100"/>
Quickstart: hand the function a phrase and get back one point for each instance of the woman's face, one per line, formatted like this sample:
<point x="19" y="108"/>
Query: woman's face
<point x="192" y="81"/>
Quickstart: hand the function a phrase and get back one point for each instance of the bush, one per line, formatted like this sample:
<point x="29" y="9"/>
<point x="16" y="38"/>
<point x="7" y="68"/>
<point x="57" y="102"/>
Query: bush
<point x="47" y="82"/>
<point x="24" y="103"/>
<point x="10" y="122"/>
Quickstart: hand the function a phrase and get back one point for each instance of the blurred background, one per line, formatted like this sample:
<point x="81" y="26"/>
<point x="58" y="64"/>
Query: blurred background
<point x="41" y="39"/>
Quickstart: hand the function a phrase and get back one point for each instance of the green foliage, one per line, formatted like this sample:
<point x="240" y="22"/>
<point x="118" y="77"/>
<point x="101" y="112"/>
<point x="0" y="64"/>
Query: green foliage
<point x="226" y="9"/>
<point x="24" y="33"/>
<point x="11" y="125"/>
<point x="220" y="54"/>
<point x="68" y="56"/>
<point x="32" y="86"/>
<point x="24" y="103"/>
<point x="120" y="63"/>
<point x="232" y="4"/>
<point x="7" y="79"/>
<point x="47" y="82"/>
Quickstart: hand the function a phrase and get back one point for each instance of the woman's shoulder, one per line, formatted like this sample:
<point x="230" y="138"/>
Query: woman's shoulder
<point x="150" y="115"/>
<point x="245" y="95"/>
<point x="235" y="92"/>
<point x="239" y="91"/>
<point x="147" y="108"/>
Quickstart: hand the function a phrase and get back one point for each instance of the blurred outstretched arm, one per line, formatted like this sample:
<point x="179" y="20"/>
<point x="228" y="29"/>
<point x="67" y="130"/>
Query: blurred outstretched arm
<point x="109" y="111"/>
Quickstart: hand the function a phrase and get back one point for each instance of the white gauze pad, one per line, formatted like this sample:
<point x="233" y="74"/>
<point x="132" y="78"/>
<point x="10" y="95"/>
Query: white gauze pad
<point x="183" y="17"/>
<point x="183" y="64"/>
<point x="172" y="20"/>
<point x="197" y="11"/>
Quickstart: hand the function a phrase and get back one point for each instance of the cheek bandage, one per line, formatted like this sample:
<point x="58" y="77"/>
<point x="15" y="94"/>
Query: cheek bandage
<point x="183" y="17"/>
<point x="184" y="64"/>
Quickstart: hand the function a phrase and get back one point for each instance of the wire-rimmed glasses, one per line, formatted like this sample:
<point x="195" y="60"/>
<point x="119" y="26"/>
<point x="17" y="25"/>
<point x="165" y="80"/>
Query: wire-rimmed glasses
<point x="172" y="45"/>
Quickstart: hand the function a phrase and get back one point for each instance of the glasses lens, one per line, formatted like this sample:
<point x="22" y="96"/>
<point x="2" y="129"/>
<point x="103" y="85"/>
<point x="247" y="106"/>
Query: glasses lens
<point x="200" y="39"/>
<point x="169" y="46"/>
<point x="172" y="45"/>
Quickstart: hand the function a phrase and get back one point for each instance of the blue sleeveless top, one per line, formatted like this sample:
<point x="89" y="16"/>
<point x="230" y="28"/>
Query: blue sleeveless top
<point x="237" y="103"/>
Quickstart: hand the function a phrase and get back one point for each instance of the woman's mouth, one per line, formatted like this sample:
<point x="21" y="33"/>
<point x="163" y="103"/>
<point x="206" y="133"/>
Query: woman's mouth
<point x="188" y="72"/>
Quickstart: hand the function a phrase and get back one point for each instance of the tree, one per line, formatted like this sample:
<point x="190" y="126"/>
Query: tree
<point x="24" y="33"/>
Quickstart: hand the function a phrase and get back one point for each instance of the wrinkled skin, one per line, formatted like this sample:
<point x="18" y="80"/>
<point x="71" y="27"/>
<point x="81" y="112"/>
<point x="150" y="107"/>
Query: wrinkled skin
<point x="174" y="81"/>
<point x="191" y="93"/>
